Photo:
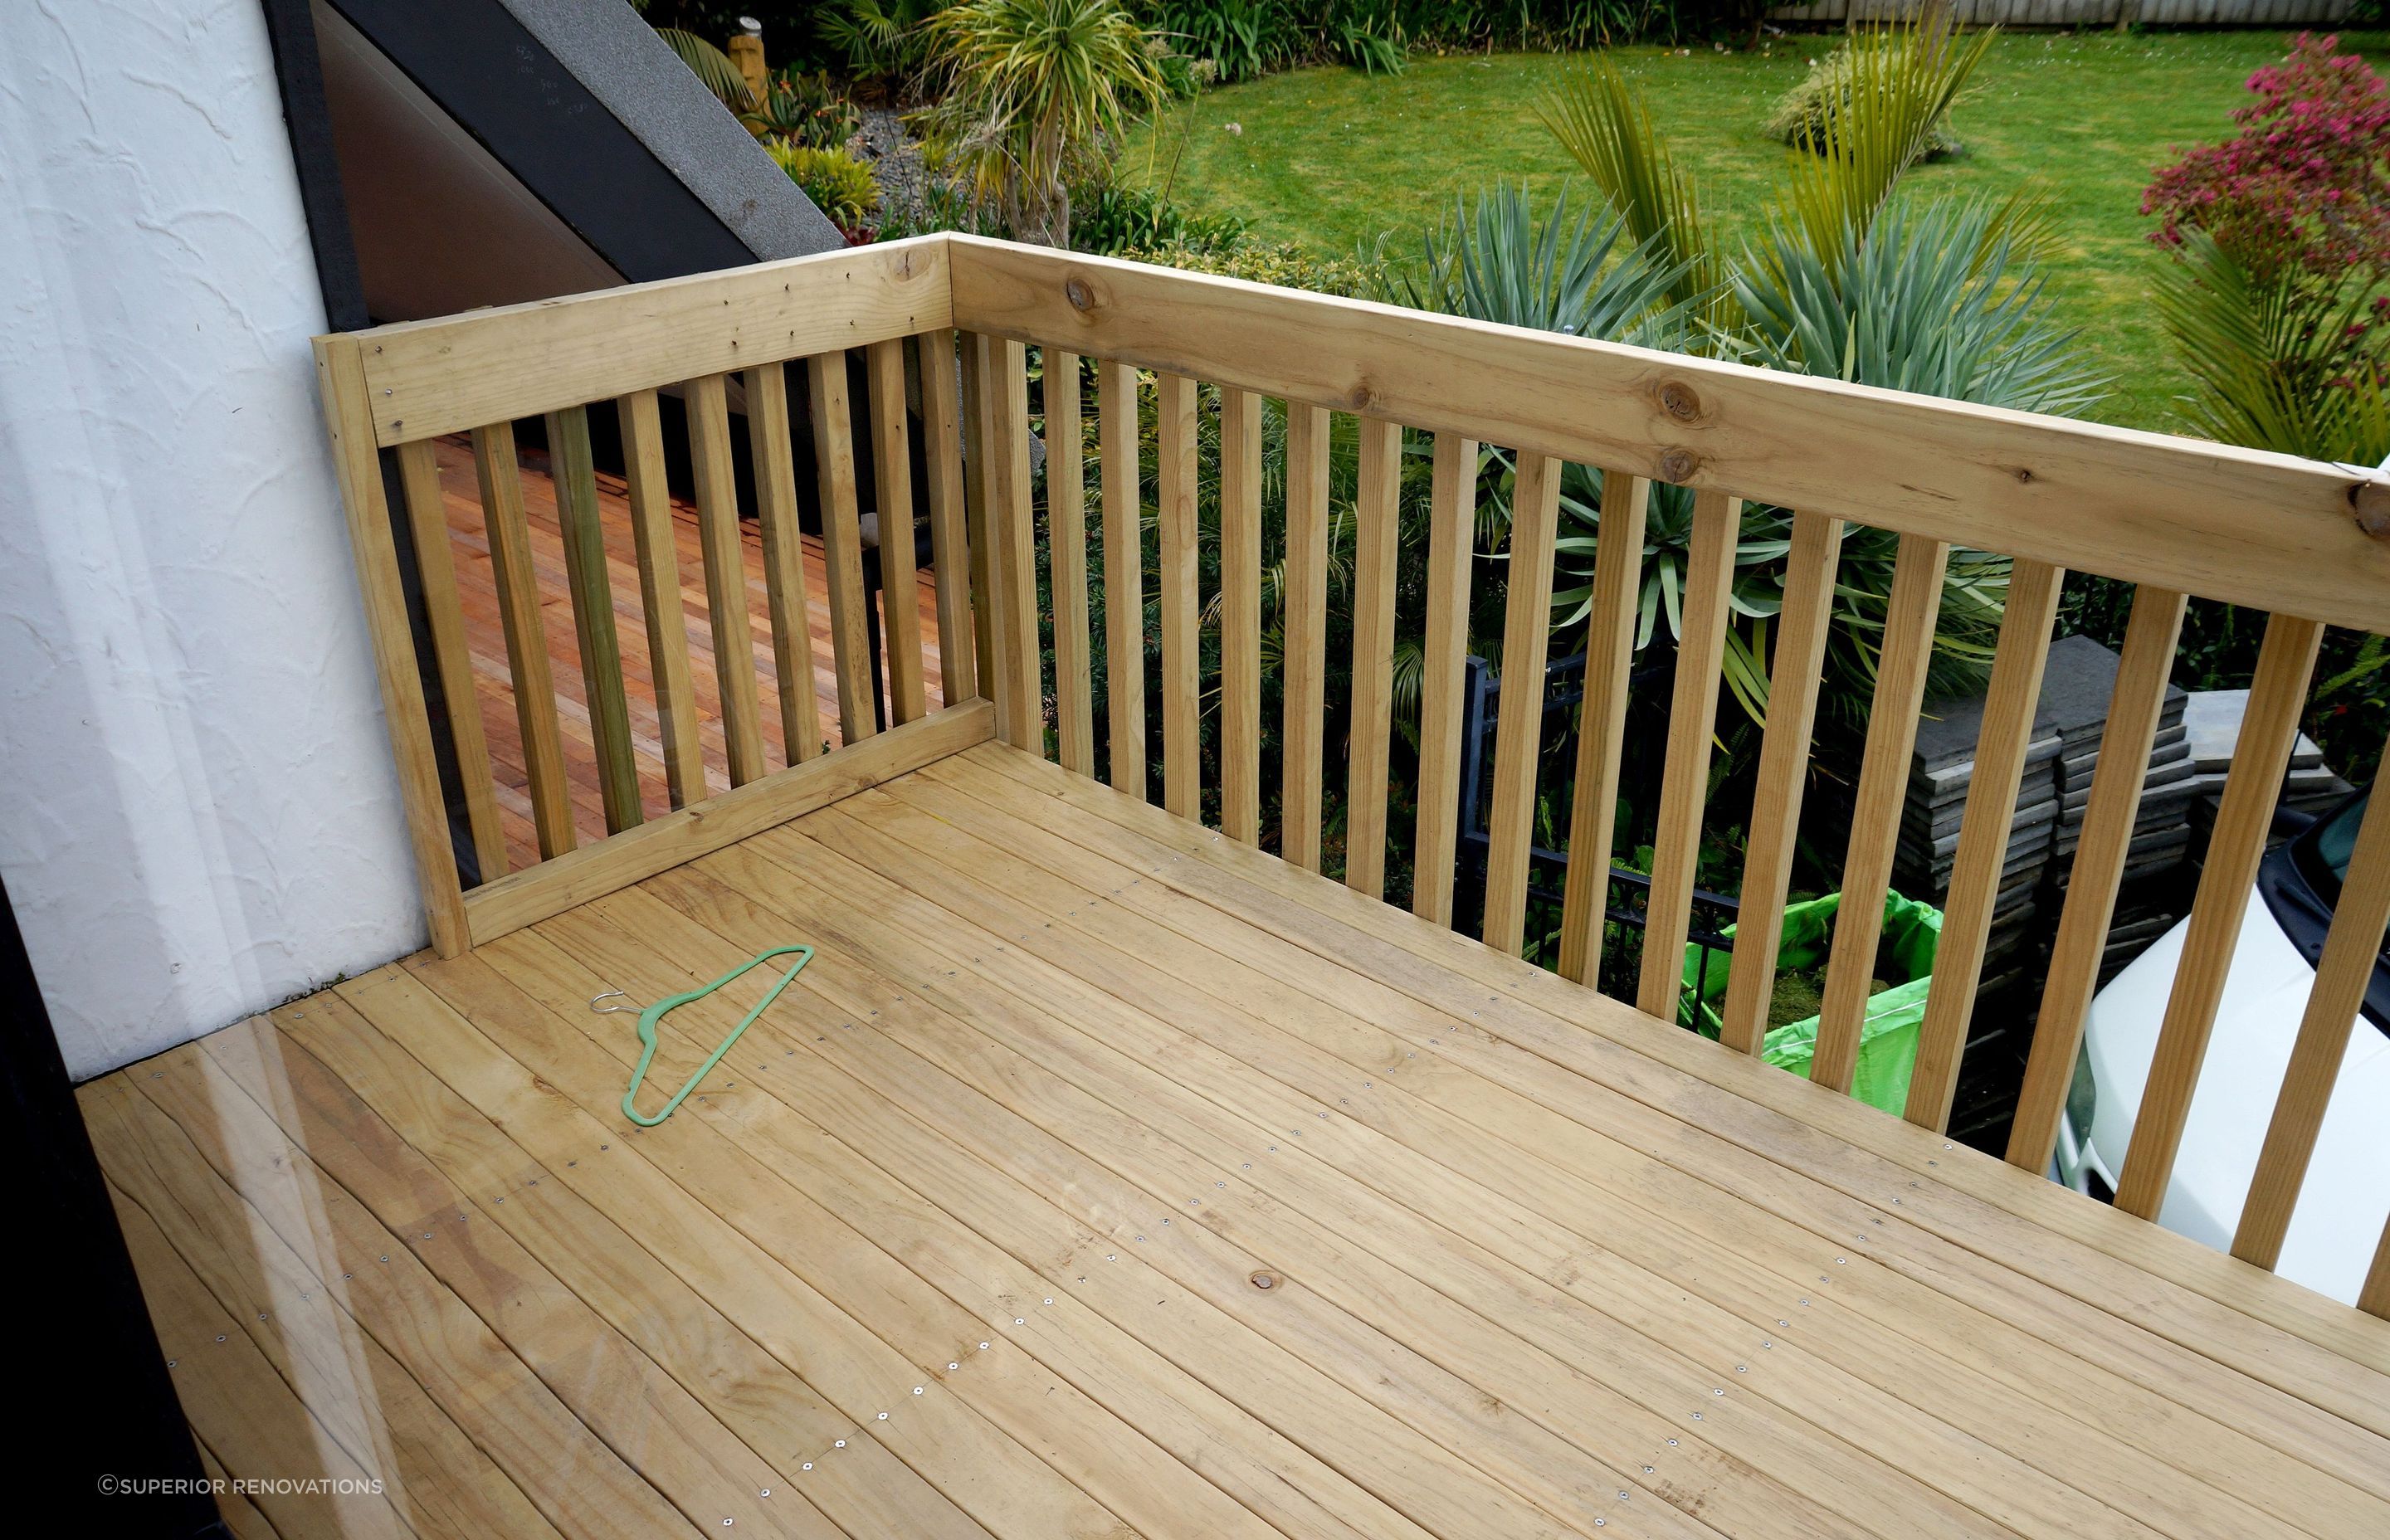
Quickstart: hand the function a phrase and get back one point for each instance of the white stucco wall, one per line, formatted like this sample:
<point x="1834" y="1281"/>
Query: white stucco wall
<point x="197" y="816"/>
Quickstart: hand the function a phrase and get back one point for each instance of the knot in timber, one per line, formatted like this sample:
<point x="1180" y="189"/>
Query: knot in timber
<point x="1679" y="401"/>
<point x="1082" y="297"/>
<point x="1678" y="465"/>
<point x="2371" y="503"/>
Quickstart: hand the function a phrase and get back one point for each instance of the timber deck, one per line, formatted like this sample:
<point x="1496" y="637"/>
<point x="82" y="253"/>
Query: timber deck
<point x="477" y="591"/>
<point x="1101" y="1175"/>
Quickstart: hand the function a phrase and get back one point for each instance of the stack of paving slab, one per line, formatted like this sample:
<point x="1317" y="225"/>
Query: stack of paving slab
<point x="2076" y="690"/>
<point x="1942" y="768"/>
<point x="2213" y="724"/>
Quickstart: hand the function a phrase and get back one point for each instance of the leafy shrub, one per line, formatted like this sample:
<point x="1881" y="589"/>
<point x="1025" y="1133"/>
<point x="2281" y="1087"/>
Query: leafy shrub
<point x="1108" y="219"/>
<point x="840" y="186"/>
<point x="2306" y="184"/>
<point x="804" y="110"/>
<point x="1287" y="265"/>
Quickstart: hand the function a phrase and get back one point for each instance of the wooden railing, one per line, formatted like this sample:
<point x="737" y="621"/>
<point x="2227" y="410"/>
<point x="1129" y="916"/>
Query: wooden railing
<point x="2305" y="542"/>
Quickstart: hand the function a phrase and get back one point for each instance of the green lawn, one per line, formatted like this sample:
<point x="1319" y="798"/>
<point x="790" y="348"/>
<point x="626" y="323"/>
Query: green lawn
<point x="1332" y="157"/>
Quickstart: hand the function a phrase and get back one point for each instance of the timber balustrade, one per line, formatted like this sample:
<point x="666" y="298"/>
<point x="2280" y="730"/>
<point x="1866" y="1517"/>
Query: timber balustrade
<point x="949" y="329"/>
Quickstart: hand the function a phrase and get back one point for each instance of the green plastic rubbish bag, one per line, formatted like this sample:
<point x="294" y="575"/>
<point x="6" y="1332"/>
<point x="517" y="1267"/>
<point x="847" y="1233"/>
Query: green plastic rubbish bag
<point x="1888" y="1037"/>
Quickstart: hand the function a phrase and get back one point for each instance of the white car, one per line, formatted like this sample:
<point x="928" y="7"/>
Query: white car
<point x="2346" y="1197"/>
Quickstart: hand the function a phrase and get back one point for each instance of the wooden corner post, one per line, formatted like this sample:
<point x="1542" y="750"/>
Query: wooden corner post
<point x="347" y="417"/>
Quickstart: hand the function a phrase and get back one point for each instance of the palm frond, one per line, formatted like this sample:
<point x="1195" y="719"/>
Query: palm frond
<point x="2270" y="364"/>
<point x="711" y="66"/>
<point x="1899" y="82"/>
<point x="1601" y="121"/>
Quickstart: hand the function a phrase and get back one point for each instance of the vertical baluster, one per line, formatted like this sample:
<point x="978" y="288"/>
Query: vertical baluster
<point x="1526" y="627"/>
<point x="451" y="653"/>
<point x="1182" y="745"/>
<point x="787" y="603"/>
<point x="1012" y="566"/>
<point x="978" y="496"/>
<point x="950" y="537"/>
<point x="2346" y="966"/>
<point x="900" y="583"/>
<point x="849" y="633"/>
<point x="1124" y="575"/>
<point x="1452" y="522"/>
<point x="519" y="611"/>
<point x="1066" y="535"/>
<point x="2009" y="710"/>
<point x="1692" y="715"/>
<point x="592" y="590"/>
<point x="2108" y="817"/>
<point x="659" y="596"/>
<point x="725" y="576"/>
<point x="1911" y="613"/>
<point x="1240" y="616"/>
<point x="1601" y="729"/>
<point x="2374" y="1298"/>
<point x="1793" y="680"/>
<point x="2262" y="757"/>
<point x="1375" y="528"/>
<point x="1302" y="738"/>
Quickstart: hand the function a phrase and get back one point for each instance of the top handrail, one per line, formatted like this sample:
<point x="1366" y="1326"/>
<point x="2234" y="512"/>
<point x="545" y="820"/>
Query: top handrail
<point x="2246" y="526"/>
<point x="458" y="372"/>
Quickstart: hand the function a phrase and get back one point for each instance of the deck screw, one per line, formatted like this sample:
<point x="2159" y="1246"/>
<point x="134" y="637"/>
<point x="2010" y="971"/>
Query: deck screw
<point x="1767" y="1344"/>
<point x="1018" y="1321"/>
<point x="1718" y="1390"/>
<point x="954" y="1366"/>
<point x="982" y="1347"/>
<point x="883" y="1416"/>
<point x="1697" y="1417"/>
<point x="1740" y="1368"/>
<point x="917" y="1390"/>
<point x="809" y="1465"/>
<point x="219" y="1337"/>
<point x="1050" y="1298"/>
<point x="1646" y="1470"/>
<point x="837" y="1443"/>
<point x="1672" y="1443"/>
<point x="172" y="1362"/>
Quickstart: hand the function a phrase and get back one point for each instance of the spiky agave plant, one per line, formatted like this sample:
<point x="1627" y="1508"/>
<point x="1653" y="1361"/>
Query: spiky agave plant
<point x="1032" y="88"/>
<point x="1578" y="271"/>
<point x="1929" y="297"/>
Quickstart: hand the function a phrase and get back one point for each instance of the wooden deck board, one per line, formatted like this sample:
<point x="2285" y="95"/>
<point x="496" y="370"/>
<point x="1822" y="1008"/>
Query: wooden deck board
<point x="1067" y="1084"/>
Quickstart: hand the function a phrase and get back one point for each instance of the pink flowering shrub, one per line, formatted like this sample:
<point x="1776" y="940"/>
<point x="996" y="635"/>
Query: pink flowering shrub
<point x="2303" y="191"/>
